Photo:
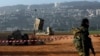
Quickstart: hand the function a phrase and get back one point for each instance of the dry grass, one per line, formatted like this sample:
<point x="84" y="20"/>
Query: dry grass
<point x="62" y="47"/>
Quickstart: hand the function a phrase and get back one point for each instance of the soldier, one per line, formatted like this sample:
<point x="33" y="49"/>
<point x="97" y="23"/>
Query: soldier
<point x="82" y="41"/>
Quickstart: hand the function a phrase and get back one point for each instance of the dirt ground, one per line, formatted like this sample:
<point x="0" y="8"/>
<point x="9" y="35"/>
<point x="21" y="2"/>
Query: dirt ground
<point x="62" y="47"/>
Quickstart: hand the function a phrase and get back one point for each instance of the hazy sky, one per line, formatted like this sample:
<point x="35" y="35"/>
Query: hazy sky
<point x="28" y="2"/>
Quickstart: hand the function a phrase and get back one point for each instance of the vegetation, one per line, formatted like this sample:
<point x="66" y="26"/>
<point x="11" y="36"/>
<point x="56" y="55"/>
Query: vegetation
<point x="95" y="32"/>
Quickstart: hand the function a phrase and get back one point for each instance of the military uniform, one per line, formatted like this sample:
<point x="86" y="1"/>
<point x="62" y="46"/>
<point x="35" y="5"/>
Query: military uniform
<point x="82" y="42"/>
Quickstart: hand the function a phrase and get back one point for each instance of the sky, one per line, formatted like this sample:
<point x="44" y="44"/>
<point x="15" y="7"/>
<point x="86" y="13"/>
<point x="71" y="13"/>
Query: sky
<point x="29" y="2"/>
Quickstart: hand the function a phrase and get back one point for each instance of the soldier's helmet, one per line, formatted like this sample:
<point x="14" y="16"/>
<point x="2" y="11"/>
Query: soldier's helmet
<point x="85" y="22"/>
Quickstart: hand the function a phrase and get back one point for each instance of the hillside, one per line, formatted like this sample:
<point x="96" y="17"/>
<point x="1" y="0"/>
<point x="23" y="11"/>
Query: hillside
<point x="61" y="17"/>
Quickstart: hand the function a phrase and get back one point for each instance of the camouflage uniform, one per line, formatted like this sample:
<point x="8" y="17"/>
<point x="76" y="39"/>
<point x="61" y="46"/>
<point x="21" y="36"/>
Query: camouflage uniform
<point x="82" y="42"/>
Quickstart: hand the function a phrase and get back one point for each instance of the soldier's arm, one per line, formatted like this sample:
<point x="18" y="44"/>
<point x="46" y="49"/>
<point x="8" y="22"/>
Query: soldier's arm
<point x="91" y="47"/>
<point x="93" y="51"/>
